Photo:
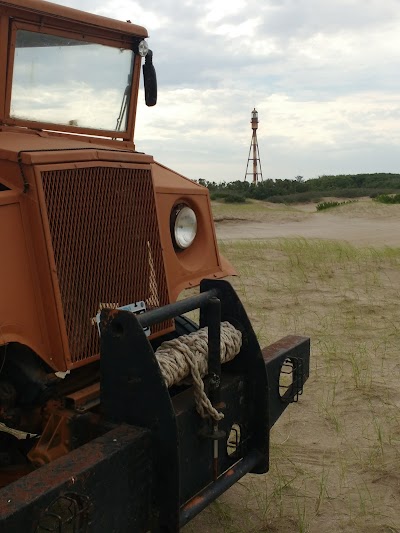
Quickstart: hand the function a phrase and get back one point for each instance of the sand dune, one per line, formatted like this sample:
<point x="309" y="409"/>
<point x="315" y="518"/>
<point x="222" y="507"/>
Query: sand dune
<point x="366" y="226"/>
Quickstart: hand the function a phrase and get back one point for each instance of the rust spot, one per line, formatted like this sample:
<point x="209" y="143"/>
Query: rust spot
<point x="193" y="502"/>
<point x="113" y="313"/>
<point x="85" y="397"/>
<point x="110" y="315"/>
<point x="230" y="472"/>
<point x="107" y="317"/>
<point x="282" y="346"/>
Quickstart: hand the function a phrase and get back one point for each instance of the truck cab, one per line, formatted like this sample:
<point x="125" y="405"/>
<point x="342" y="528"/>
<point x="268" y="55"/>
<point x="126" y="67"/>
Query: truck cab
<point x="86" y="221"/>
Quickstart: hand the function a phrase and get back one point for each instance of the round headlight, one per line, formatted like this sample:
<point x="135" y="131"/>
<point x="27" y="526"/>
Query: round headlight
<point x="184" y="226"/>
<point x="143" y="48"/>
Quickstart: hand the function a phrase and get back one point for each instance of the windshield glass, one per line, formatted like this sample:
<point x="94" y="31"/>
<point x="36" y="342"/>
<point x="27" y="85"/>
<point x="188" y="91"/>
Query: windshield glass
<point x="70" y="82"/>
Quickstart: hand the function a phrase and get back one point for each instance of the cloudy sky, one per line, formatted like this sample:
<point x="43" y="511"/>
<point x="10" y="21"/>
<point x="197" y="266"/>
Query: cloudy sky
<point x="323" y="75"/>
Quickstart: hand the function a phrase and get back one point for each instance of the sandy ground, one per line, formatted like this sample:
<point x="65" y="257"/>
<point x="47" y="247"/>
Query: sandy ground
<point x="335" y="455"/>
<point x="363" y="227"/>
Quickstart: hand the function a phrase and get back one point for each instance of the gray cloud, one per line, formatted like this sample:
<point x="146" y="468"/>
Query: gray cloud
<point x="324" y="77"/>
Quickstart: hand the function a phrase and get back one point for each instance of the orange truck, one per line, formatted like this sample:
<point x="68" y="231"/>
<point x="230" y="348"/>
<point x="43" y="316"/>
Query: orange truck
<point x="116" y="413"/>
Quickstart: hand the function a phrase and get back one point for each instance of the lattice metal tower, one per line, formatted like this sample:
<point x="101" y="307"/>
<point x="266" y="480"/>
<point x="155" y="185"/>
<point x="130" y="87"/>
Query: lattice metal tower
<point x="255" y="171"/>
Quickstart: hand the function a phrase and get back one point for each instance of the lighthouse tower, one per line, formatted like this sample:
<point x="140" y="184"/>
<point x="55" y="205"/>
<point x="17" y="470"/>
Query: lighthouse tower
<point x="254" y="153"/>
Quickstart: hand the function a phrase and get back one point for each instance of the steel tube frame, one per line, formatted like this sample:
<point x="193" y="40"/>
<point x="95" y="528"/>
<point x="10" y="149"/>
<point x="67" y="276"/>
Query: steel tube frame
<point x="170" y="311"/>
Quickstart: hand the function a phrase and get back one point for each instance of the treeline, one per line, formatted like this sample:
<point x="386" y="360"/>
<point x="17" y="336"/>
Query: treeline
<point x="300" y="190"/>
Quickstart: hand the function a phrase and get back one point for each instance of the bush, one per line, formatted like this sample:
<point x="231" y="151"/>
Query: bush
<point x="328" y="205"/>
<point x="234" y="199"/>
<point x="217" y="195"/>
<point x="379" y="192"/>
<point x="310" y="196"/>
<point x="292" y="191"/>
<point x="388" y="199"/>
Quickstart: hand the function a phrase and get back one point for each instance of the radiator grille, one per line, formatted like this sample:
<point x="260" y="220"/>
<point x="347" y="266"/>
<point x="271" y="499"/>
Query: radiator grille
<point x="106" y="246"/>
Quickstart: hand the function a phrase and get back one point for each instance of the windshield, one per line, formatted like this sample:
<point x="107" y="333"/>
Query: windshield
<point x="70" y="82"/>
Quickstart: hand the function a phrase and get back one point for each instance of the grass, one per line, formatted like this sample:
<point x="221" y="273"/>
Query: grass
<point x="256" y="210"/>
<point x="335" y="454"/>
<point x="329" y="205"/>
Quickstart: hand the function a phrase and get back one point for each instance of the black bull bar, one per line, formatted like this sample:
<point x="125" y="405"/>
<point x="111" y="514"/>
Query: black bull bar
<point x="154" y="467"/>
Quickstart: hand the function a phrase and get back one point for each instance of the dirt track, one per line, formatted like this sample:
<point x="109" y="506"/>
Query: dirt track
<point x="320" y="225"/>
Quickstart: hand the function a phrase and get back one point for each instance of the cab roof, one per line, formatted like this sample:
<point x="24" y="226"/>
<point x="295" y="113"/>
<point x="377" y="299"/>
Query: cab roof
<point x="68" y="14"/>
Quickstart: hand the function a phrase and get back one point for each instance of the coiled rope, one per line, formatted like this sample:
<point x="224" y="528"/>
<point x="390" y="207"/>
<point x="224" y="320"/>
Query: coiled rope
<point x="188" y="355"/>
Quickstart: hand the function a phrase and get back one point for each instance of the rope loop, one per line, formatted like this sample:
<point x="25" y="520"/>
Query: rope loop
<point x="188" y="356"/>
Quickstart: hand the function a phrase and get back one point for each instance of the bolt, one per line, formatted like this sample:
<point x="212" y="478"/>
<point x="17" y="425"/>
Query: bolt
<point x="215" y="381"/>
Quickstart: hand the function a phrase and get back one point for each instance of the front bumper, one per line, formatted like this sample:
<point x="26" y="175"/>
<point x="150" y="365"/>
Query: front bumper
<point x="154" y="467"/>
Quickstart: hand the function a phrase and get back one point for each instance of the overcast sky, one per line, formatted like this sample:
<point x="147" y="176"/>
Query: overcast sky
<point x="323" y="75"/>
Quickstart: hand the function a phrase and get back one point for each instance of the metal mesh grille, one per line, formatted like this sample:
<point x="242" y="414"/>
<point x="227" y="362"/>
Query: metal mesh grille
<point x="106" y="245"/>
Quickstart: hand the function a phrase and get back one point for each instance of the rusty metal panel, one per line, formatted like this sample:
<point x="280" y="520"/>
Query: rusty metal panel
<point x="103" y="486"/>
<point x="105" y="239"/>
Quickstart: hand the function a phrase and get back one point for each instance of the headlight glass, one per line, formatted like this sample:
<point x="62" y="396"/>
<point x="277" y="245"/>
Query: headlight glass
<point x="184" y="227"/>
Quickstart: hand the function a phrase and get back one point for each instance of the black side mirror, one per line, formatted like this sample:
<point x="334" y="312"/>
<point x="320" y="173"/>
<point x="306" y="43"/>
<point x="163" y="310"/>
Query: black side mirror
<point x="150" y="80"/>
